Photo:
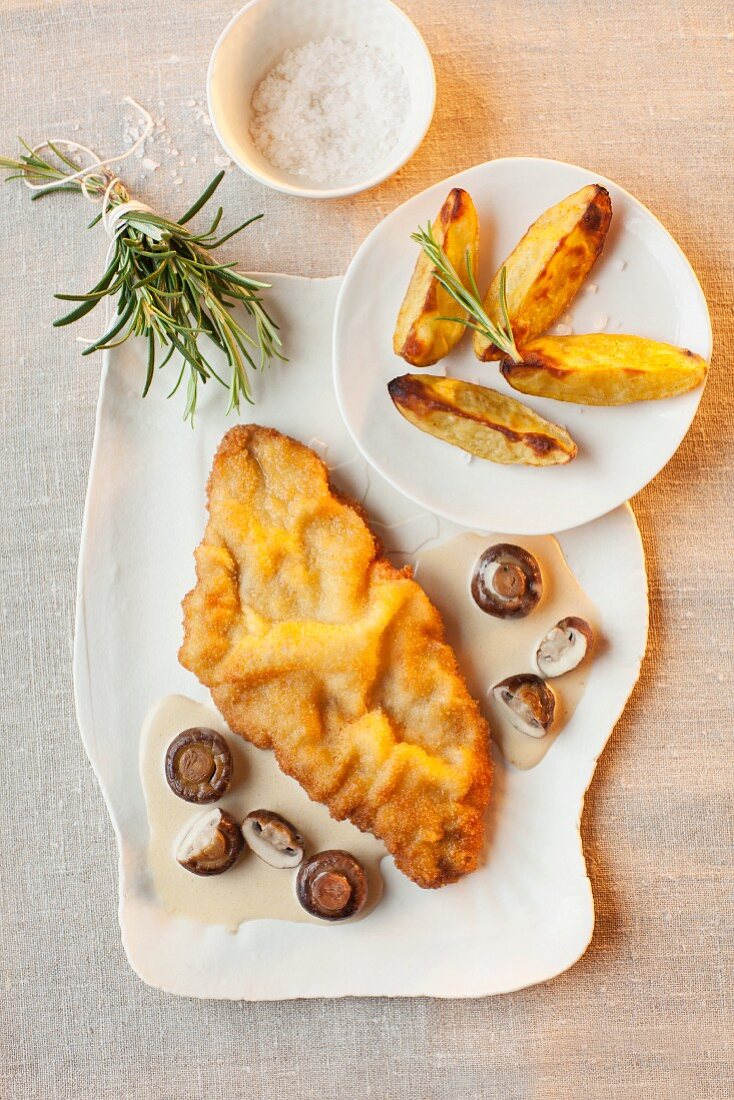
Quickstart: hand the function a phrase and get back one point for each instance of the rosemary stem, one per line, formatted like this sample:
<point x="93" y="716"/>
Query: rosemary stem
<point x="468" y="298"/>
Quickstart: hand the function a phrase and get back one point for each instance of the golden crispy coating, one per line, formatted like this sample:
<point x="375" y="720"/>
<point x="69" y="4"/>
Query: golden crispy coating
<point x="314" y="645"/>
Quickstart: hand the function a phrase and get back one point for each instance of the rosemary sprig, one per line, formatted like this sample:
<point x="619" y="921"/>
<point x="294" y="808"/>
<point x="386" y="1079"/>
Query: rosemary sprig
<point x="168" y="286"/>
<point x="469" y="298"/>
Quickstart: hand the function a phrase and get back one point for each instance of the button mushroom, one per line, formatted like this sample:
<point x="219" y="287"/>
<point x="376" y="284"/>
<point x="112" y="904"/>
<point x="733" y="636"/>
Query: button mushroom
<point x="332" y="885"/>
<point x="199" y="765"/>
<point x="564" y="646"/>
<point x="527" y="702"/>
<point x="211" y="844"/>
<point x="507" y="581"/>
<point x="273" y="839"/>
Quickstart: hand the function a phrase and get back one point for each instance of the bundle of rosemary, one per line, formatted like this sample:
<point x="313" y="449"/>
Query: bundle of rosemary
<point x="169" y="288"/>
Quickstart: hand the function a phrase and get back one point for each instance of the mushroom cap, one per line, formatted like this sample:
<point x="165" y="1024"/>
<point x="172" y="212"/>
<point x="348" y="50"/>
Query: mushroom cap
<point x="273" y="838"/>
<point x="199" y="765"/>
<point x="528" y="703"/>
<point x="211" y="843"/>
<point x="564" y="646"/>
<point x="332" y="885"/>
<point x="506" y="581"/>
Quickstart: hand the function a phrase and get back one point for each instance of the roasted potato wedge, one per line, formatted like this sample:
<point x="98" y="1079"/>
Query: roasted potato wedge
<point x="421" y="337"/>
<point x="546" y="269"/>
<point x="604" y="369"/>
<point x="483" y="422"/>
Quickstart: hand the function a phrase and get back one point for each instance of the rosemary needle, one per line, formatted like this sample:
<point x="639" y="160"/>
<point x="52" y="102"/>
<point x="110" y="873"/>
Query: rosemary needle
<point x="468" y="297"/>
<point x="168" y="287"/>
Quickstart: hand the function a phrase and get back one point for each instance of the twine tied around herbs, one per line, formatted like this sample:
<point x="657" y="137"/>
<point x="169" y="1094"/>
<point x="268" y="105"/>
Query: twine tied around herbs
<point x="98" y="171"/>
<point x="113" y="214"/>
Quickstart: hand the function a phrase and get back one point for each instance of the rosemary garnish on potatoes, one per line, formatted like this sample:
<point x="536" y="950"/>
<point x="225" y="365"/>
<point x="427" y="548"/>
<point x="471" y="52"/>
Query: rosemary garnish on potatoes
<point x="168" y="287"/>
<point x="469" y="298"/>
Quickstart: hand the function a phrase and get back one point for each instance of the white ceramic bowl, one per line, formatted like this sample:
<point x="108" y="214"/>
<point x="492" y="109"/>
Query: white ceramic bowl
<point x="254" y="41"/>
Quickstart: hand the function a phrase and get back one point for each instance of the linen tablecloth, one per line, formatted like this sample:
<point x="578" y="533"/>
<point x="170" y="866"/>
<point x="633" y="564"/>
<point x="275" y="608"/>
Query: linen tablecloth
<point x="638" y="90"/>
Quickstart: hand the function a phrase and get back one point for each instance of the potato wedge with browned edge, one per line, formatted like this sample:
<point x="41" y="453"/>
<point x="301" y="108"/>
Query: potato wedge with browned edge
<point x="604" y="369"/>
<point x="483" y="422"/>
<point x="421" y="336"/>
<point x="548" y="266"/>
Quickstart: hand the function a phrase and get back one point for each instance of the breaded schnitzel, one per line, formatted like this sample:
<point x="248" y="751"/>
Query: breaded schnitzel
<point x="316" y="646"/>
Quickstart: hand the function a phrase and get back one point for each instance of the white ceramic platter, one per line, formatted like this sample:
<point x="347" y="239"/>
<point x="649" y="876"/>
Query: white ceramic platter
<point x="527" y="914"/>
<point x="642" y="284"/>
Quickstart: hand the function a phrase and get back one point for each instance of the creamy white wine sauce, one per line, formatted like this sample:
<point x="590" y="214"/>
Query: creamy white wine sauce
<point x="250" y="889"/>
<point x="489" y="649"/>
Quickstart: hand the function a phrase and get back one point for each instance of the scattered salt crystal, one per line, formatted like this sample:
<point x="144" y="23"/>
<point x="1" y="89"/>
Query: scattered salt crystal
<point x="174" y="152"/>
<point x="330" y="109"/>
<point x="151" y="165"/>
<point x="173" y="59"/>
<point x="223" y="162"/>
<point x="601" y="322"/>
<point x="466" y="457"/>
<point x="178" y="181"/>
<point x="591" y="288"/>
<point x="190" y="102"/>
<point x="619" y="265"/>
<point x="563" y="330"/>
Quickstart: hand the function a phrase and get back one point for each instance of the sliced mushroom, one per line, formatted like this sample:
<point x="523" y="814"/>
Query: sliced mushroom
<point x="211" y="844"/>
<point x="564" y="646"/>
<point x="332" y="885"/>
<point x="199" y="765"/>
<point x="507" y="581"/>
<point x="527" y="702"/>
<point x="273" y="839"/>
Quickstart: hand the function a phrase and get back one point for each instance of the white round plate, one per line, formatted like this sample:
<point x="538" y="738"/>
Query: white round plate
<point x="642" y="284"/>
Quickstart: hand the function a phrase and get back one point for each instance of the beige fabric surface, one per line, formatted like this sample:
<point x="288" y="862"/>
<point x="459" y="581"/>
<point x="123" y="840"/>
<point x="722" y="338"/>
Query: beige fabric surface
<point x="639" y="90"/>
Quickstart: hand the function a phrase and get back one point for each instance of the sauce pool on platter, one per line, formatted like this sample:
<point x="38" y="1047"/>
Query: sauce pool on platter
<point x="523" y="631"/>
<point x="216" y="856"/>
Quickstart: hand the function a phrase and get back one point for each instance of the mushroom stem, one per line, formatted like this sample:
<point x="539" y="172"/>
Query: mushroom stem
<point x="332" y="885"/>
<point x="507" y="581"/>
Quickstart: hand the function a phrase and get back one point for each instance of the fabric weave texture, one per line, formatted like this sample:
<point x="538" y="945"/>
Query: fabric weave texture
<point x="640" y="92"/>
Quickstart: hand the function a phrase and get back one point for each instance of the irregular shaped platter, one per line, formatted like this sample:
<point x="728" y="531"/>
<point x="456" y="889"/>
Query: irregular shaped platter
<point x="642" y="284"/>
<point x="527" y="914"/>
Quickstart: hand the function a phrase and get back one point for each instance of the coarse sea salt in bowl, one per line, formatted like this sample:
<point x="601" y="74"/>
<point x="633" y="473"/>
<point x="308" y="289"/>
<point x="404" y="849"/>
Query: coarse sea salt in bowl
<point x="361" y="62"/>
